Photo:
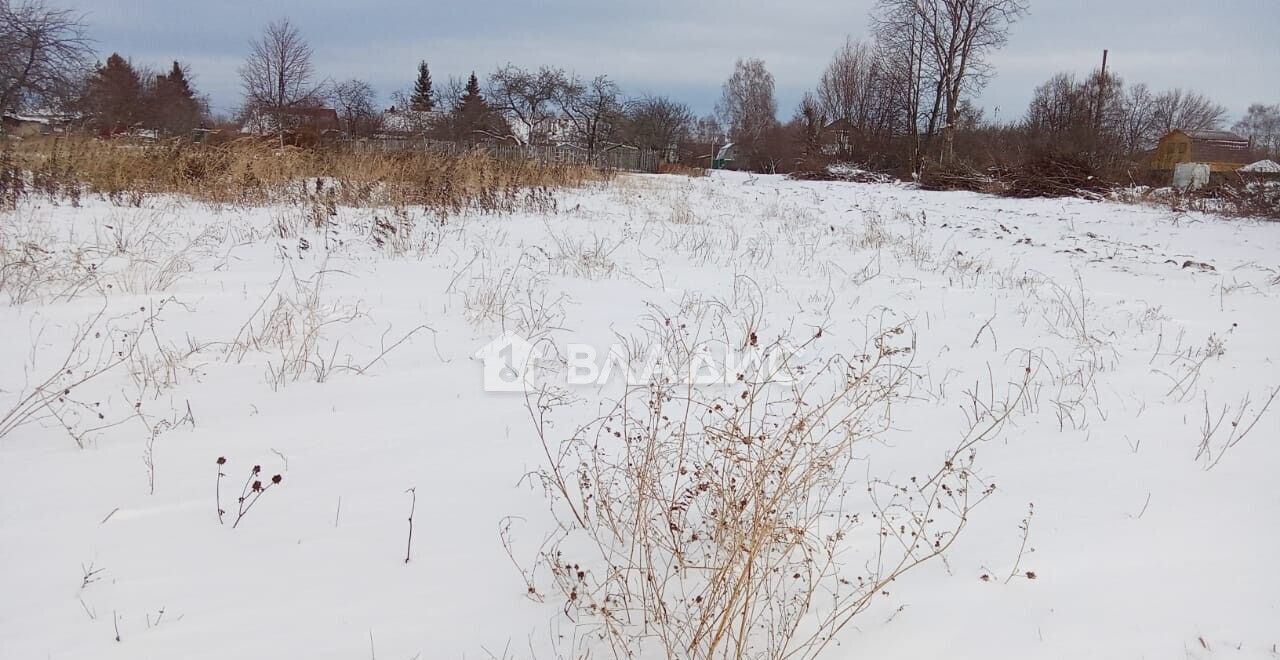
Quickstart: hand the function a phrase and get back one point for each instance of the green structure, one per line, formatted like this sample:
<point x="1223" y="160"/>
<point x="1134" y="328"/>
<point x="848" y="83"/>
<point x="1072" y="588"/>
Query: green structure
<point x="724" y="155"/>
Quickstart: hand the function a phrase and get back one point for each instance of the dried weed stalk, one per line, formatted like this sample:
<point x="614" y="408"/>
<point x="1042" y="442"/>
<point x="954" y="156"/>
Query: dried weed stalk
<point x="695" y="523"/>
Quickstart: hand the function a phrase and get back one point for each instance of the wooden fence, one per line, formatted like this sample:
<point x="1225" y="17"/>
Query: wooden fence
<point x="614" y="158"/>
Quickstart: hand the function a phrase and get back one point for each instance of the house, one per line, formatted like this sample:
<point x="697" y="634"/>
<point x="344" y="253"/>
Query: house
<point x="24" y="126"/>
<point x="1222" y="151"/>
<point x="836" y="137"/>
<point x="303" y="122"/>
<point x="31" y="124"/>
<point x="402" y="123"/>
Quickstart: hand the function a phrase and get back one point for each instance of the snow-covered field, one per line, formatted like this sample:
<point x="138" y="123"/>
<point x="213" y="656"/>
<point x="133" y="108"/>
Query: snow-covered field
<point x="1135" y="512"/>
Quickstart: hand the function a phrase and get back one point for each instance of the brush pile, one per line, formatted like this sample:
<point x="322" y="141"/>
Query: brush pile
<point x="957" y="176"/>
<point x="841" y="172"/>
<point x="1054" y="176"/>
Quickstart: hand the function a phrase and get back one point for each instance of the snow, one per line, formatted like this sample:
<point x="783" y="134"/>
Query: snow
<point x="1140" y="548"/>
<point x="29" y="118"/>
<point x="1269" y="166"/>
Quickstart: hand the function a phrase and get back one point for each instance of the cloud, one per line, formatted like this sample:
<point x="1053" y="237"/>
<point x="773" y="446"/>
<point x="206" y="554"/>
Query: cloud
<point x="686" y="49"/>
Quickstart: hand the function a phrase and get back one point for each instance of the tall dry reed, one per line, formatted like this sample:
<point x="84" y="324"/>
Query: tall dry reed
<point x="248" y="171"/>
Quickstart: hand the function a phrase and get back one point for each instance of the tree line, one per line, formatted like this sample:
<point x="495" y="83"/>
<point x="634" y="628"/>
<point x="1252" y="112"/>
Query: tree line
<point x="905" y="100"/>
<point x="44" y="64"/>
<point x="515" y="104"/>
<point x="901" y="101"/>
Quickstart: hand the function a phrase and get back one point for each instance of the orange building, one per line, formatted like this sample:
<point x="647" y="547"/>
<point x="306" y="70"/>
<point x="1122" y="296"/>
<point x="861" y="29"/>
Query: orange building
<point x="1222" y="151"/>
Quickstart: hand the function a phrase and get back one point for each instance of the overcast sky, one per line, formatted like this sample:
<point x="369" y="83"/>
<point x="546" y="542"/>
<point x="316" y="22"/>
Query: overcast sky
<point x="1228" y="49"/>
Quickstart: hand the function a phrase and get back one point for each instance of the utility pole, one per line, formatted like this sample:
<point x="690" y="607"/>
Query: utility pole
<point x="1102" y="95"/>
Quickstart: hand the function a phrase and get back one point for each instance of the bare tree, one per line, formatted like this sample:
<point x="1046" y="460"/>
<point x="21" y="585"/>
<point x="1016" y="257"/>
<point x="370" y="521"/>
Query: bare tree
<point x="451" y="93"/>
<point x="852" y="89"/>
<point x="594" y="110"/>
<point x="809" y="121"/>
<point x="708" y="130"/>
<point x="526" y="98"/>
<point x="1057" y="106"/>
<point x="946" y="42"/>
<point x="657" y="122"/>
<point x="278" y="74"/>
<point x="357" y="106"/>
<point x="747" y="106"/>
<point x="1098" y="116"/>
<point x="1083" y="117"/>
<point x="1137" y="128"/>
<point x="1262" y="125"/>
<point x="43" y="53"/>
<point x="1187" y="110"/>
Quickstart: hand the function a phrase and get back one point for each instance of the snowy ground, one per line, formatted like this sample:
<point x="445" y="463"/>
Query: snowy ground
<point x="1147" y="540"/>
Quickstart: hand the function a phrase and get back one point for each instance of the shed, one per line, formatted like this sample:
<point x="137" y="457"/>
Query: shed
<point x="1222" y="151"/>
<point x="836" y="137"/>
<point x="723" y="157"/>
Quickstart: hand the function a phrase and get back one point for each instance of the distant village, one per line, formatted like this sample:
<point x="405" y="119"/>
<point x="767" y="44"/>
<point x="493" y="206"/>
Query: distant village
<point x="883" y="105"/>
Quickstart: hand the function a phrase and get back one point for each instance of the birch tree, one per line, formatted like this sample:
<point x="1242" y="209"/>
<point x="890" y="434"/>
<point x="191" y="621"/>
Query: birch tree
<point x="747" y="105"/>
<point x="947" y="43"/>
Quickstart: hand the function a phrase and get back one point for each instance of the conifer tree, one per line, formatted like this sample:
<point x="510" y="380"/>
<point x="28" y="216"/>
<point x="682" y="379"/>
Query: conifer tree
<point x="178" y="78"/>
<point x="422" y="100"/>
<point x="173" y="106"/>
<point x="472" y="116"/>
<point x="114" y="95"/>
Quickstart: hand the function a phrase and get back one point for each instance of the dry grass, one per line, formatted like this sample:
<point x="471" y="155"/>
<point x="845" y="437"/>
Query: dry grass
<point x="248" y="171"/>
<point x="681" y="169"/>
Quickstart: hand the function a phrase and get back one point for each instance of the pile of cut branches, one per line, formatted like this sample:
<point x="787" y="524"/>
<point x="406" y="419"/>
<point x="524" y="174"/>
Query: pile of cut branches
<point x="957" y="176"/>
<point x="1053" y="175"/>
<point x="841" y="172"/>
<point x="1249" y="197"/>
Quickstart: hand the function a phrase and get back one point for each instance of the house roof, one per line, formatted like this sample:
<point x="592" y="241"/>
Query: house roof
<point x="9" y="116"/>
<point x="841" y="124"/>
<point x="1216" y="136"/>
<point x="38" y="116"/>
<point x="409" y="121"/>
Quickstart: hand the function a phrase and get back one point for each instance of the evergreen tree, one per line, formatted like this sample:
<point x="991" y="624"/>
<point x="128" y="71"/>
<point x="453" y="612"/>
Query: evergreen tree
<point x="114" y="96"/>
<point x="472" y="116"/>
<point x="178" y="78"/>
<point x="173" y="107"/>
<point x="471" y="103"/>
<point x="422" y="96"/>
<point x="472" y="90"/>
